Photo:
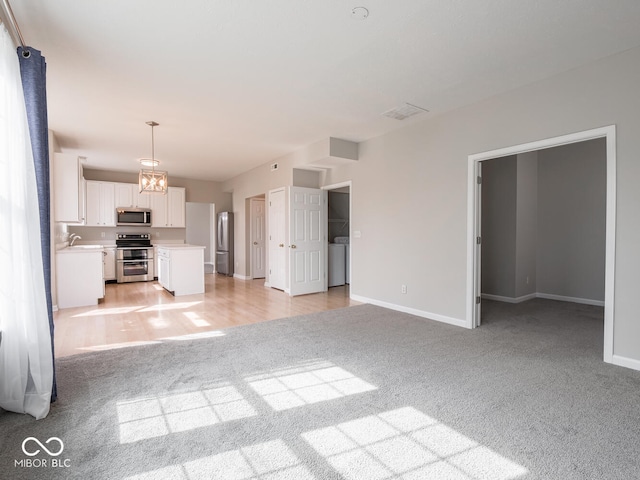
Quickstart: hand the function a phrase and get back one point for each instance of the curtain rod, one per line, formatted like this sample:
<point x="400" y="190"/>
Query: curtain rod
<point x="14" y="25"/>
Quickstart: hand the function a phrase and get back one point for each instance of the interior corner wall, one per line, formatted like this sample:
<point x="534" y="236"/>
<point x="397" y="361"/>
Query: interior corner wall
<point x="413" y="182"/>
<point x="255" y="182"/>
<point x="571" y="220"/>
<point x="499" y="200"/>
<point x="306" y="178"/>
<point x="526" y="224"/>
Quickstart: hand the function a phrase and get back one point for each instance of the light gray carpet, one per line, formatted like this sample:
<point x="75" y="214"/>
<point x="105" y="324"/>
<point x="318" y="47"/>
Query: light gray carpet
<point x="356" y="393"/>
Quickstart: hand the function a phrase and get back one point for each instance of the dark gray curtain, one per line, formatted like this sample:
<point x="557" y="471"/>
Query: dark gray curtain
<point x="33" y="70"/>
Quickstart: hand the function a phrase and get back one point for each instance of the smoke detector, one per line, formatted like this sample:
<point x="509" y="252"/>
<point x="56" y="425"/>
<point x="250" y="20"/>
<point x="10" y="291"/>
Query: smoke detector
<point x="405" y="111"/>
<point x="359" y="13"/>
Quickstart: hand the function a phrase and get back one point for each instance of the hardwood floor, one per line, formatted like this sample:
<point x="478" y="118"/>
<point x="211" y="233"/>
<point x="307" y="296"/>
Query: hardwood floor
<point x="143" y="312"/>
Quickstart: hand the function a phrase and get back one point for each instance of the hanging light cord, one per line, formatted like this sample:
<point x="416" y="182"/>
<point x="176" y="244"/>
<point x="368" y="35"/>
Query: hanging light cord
<point x="14" y="24"/>
<point x="153" y="156"/>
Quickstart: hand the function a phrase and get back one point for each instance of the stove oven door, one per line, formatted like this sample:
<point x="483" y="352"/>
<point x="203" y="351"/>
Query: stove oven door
<point x="134" y="265"/>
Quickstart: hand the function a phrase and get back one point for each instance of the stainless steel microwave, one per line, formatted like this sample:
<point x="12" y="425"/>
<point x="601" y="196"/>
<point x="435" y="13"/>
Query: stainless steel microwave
<point x="139" y="217"/>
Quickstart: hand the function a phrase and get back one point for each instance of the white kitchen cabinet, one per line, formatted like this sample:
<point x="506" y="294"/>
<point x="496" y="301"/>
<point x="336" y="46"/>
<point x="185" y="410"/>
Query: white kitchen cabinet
<point x="176" y="206"/>
<point x="100" y="204"/>
<point x="164" y="270"/>
<point x="109" y="263"/>
<point x="68" y="193"/>
<point x="181" y="269"/>
<point x="124" y="195"/>
<point x="128" y="195"/>
<point x="79" y="276"/>
<point x="158" y="210"/>
<point x="169" y="210"/>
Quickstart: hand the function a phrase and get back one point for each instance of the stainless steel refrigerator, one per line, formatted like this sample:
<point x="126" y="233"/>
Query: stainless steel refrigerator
<point x="224" y="244"/>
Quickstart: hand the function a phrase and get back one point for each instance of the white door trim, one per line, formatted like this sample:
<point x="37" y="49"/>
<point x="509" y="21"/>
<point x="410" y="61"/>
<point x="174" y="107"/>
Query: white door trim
<point x="608" y="132"/>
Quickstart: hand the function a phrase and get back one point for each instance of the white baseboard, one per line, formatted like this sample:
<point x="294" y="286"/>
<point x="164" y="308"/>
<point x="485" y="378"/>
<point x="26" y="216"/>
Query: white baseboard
<point x="500" y="298"/>
<point x="548" y="296"/>
<point x="267" y="284"/>
<point x="562" y="298"/>
<point x="413" y="311"/>
<point x="54" y="308"/>
<point x="241" y="277"/>
<point x="625" y="362"/>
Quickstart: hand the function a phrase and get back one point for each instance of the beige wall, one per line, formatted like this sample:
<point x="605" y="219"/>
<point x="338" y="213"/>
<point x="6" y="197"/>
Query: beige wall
<point x="200" y="191"/>
<point x="413" y="182"/>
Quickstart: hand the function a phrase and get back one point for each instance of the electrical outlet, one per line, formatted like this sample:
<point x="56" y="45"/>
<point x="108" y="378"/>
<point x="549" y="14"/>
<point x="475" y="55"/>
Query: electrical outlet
<point x="101" y="234"/>
<point x="527" y="280"/>
<point x="157" y="234"/>
<point x="404" y="288"/>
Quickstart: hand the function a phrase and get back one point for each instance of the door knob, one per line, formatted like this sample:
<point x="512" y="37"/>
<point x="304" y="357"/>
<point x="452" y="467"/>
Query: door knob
<point x="293" y="246"/>
<point x="255" y="243"/>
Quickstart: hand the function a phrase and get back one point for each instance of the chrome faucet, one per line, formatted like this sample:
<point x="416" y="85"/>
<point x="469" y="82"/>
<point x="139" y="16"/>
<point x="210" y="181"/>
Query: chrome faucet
<point x="73" y="237"/>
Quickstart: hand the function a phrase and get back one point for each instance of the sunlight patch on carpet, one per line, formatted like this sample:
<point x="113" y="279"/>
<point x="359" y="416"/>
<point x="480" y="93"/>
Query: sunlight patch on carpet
<point x="271" y="460"/>
<point x="405" y="443"/>
<point x="160" y="415"/>
<point x="305" y="384"/>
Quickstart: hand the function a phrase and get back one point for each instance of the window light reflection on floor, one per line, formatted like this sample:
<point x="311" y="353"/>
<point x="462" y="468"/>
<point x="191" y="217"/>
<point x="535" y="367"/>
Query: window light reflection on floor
<point x="409" y="445"/>
<point x="196" y="319"/>
<point x="168" y="306"/>
<point x="111" y="346"/>
<point x="156" y="416"/>
<point x="108" y="311"/>
<point x="305" y="384"/>
<point x="265" y="461"/>
<point x="196" y="336"/>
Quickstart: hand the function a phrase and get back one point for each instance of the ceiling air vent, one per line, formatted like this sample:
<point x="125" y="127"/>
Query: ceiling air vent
<point x="405" y="111"/>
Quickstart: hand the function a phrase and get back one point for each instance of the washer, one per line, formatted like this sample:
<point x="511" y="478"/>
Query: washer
<point x="337" y="262"/>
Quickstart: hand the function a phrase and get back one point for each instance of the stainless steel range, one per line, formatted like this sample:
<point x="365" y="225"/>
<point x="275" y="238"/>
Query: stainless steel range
<point x="134" y="257"/>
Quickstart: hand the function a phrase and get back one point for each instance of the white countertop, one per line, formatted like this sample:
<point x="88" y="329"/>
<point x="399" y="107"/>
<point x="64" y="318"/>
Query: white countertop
<point x="82" y="249"/>
<point x="181" y="246"/>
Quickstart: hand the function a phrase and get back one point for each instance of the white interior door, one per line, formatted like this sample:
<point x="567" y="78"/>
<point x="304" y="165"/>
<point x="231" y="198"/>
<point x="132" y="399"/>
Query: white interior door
<point x="277" y="240"/>
<point x="307" y="238"/>
<point x="257" y="232"/>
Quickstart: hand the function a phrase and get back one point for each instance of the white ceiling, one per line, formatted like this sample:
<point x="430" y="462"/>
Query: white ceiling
<point x="238" y="83"/>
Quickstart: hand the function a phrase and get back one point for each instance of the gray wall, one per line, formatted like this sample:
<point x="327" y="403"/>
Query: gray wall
<point x="571" y="220"/>
<point x="526" y="224"/>
<point x="499" y="200"/>
<point x="543" y="220"/>
<point x="200" y="227"/>
<point x="414" y="180"/>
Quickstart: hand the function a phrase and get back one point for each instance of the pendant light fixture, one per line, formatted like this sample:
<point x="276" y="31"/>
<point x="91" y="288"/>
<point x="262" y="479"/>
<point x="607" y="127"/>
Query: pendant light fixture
<point x="152" y="180"/>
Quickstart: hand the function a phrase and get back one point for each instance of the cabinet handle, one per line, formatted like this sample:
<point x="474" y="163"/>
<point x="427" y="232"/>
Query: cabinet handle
<point x="281" y="245"/>
<point x="293" y="246"/>
<point x="255" y="243"/>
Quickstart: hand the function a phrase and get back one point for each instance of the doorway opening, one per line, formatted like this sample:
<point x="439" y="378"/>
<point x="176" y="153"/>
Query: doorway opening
<point x="474" y="218"/>
<point x="338" y="234"/>
<point x="257" y="247"/>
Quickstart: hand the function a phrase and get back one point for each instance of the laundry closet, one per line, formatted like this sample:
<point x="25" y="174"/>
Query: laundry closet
<point x="338" y="236"/>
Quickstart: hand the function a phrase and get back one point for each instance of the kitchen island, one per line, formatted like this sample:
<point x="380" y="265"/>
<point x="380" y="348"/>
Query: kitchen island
<point x="181" y="268"/>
